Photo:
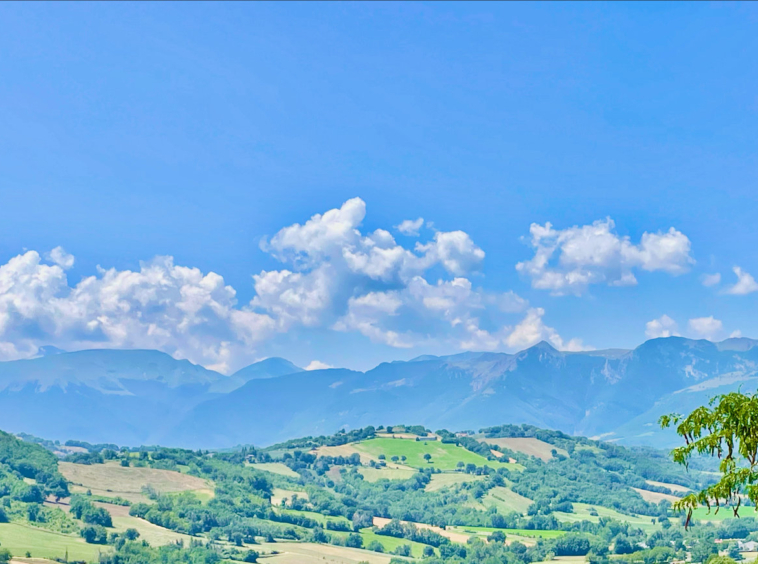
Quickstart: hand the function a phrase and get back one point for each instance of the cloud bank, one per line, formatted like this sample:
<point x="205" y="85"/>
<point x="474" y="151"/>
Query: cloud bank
<point x="333" y="276"/>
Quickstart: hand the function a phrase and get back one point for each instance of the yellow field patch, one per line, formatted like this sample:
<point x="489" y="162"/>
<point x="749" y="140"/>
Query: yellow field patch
<point x="312" y="553"/>
<point x="526" y="445"/>
<point x="344" y="450"/>
<point x="276" y="468"/>
<point x="453" y="536"/>
<point x="386" y="473"/>
<point x="279" y="494"/>
<point x="112" y="480"/>
<point x="655" y="497"/>
<point x="672" y="487"/>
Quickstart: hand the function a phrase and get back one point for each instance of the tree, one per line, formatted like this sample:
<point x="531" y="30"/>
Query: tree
<point x="427" y="457"/>
<point x="354" y="540"/>
<point x="496" y="536"/>
<point x="728" y="429"/>
<point x="428" y="552"/>
<point x="376" y="546"/>
<point x="5" y="556"/>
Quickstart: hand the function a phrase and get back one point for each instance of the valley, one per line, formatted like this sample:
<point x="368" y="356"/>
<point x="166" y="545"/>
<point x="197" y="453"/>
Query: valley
<point x="376" y="495"/>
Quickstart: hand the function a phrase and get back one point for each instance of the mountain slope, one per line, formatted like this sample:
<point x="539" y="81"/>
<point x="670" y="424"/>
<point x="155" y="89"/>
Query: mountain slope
<point x="147" y="397"/>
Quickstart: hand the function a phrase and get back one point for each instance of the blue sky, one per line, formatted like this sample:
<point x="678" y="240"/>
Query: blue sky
<point x="201" y="131"/>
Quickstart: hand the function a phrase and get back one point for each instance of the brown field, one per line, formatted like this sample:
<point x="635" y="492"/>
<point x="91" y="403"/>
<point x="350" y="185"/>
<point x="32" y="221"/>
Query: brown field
<point x="279" y="494"/>
<point x="311" y="553"/>
<point x="111" y="480"/>
<point x="672" y="487"/>
<point x="455" y="537"/>
<point x="655" y="497"/>
<point x="275" y="468"/>
<point x="344" y="450"/>
<point x="530" y="446"/>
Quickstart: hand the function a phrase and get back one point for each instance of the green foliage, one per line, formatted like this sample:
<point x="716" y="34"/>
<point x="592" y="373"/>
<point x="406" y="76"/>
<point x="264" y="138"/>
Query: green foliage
<point x="728" y="429"/>
<point x="82" y="508"/>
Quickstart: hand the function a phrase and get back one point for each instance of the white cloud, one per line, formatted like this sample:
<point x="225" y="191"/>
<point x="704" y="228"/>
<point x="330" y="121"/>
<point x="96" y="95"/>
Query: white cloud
<point x="705" y="327"/>
<point x="163" y="306"/>
<point x="333" y="276"/>
<point x="569" y="260"/>
<point x="711" y="279"/>
<point x="746" y="284"/>
<point x="318" y="365"/>
<point x="531" y="330"/>
<point x="664" y="326"/>
<point x="60" y="257"/>
<point x="736" y="334"/>
<point x="410" y="226"/>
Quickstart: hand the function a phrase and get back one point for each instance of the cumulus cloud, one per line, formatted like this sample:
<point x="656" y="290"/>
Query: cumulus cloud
<point x="664" y="326"/>
<point x="60" y="257"/>
<point x="333" y="275"/>
<point x="164" y="306"/>
<point x="410" y="226"/>
<point x="567" y="261"/>
<point x="705" y="327"/>
<point x="745" y="284"/>
<point x="532" y="330"/>
<point x="711" y="279"/>
<point x="318" y="365"/>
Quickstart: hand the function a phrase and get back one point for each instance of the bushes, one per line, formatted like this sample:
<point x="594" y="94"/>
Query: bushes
<point x="572" y="545"/>
<point x="82" y="508"/>
<point x="94" y="534"/>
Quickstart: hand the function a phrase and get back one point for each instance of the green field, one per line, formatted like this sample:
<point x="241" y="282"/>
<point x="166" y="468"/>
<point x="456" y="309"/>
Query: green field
<point x="320" y="518"/>
<point x="391" y="543"/>
<point x="444" y="456"/>
<point x="506" y="500"/>
<point x="376" y="474"/>
<point x="46" y="544"/>
<point x="529" y="533"/>
<point x="582" y="513"/>
<point x="275" y="468"/>
<point x="702" y="514"/>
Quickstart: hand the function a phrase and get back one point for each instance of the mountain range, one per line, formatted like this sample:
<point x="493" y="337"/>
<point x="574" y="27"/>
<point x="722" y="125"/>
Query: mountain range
<point x="134" y="397"/>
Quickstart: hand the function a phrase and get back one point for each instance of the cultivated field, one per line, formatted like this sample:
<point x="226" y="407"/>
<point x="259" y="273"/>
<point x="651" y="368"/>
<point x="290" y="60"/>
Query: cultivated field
<point x="582" y="513"/>
<point x="276" y="468"/>
<point x="376" y="474"/>
<point x="506" y="500"/>
<point x="452" y="535"/>
<point x="672" y="487"/>
<point x="279" y="494"/>
<point x="20" y="538"/>
<point x="702" y="514"/>
<point x="311" y="553"/>
<point x="655" y="497"/>
<point x="530" y="446"/>
<point x="112" y="480"/>
<point x="443" y="455"/>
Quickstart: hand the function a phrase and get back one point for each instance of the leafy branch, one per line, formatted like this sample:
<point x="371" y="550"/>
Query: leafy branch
<point x="728" y="429"/>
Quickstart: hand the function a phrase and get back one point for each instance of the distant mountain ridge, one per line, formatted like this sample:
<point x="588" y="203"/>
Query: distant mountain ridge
<point x="148" y="397"/>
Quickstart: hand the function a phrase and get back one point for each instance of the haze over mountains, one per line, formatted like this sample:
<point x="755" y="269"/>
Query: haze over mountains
<point x="134" y="397"/>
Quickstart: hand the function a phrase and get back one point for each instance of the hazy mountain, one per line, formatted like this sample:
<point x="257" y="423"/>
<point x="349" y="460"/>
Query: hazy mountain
<point x="144" y="397"/>
<point x="268" y="368"/>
